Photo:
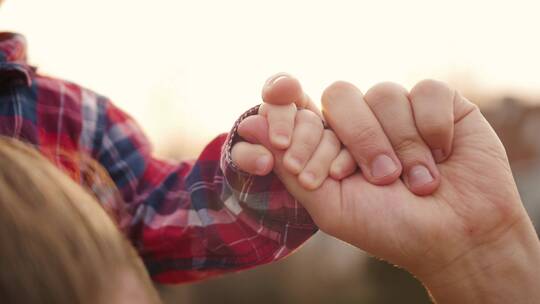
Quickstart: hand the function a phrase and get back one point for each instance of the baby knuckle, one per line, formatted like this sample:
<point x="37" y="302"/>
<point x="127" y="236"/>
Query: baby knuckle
<point x="302" y="150"/>
<point x="280" y="125"/>
<point x="307" y="144"/>
<point x="331" y="137"/>
<point x="308" y="117"/>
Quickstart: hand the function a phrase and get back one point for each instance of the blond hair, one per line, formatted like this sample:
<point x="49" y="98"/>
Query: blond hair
<point x="57" y="245"/>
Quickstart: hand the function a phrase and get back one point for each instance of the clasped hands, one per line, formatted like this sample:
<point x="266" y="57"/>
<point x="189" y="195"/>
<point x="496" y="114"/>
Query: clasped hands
<point x="417" y="178"/>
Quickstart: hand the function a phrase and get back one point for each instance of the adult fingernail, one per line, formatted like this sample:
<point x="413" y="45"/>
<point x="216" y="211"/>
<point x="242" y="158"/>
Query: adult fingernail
<point x="382" y="166"/>
<point x="418" y="176"/>
<point x="261" y="164"/>
<point x="438" y="155"/>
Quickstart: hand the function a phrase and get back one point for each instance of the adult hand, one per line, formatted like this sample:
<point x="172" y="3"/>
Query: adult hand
<point x="282" y="95"/>
<point x="469" y="240"/>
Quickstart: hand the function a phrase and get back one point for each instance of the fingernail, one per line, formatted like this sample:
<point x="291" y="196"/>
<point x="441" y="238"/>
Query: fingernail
<point x="382" y="166"/>
<point x="418" y="176"/>
<point x="275" y="79"/>
<point x="438" y="154"/>
<point x="307" y="178"/>
<point x="261" y="164"/>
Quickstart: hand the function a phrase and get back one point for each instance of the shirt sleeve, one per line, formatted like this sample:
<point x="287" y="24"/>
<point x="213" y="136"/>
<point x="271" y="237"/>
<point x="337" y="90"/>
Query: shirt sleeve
<point x="200" y="218"/>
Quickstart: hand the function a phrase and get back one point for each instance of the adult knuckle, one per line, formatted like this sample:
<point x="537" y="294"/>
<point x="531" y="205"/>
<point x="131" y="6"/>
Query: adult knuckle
<point x="337" y="91"/>
<point x="406" y="143"/>
<point x="430" y="87"/>
<point x="339" y="86"/>
<point x="361" y="136"/>
<point x="384" y="93"/>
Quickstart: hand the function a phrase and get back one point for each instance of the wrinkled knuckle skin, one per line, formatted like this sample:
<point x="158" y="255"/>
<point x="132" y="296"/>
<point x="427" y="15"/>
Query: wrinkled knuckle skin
<point x="303" y="147"/>
<point x="307" y="145"/>
<point x="430" y="87"/>
<point x="304" y="150"/>
<point x="361" y="136"/>
<point x="406" y="144"/>
<point x="384" y="93"/>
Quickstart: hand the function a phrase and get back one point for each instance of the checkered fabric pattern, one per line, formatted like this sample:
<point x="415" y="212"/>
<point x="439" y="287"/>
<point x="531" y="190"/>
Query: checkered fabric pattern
<point x="189" y="220"/>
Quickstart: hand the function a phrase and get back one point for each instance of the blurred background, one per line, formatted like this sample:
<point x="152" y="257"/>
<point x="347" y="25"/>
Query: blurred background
<point x="187" y="69"/>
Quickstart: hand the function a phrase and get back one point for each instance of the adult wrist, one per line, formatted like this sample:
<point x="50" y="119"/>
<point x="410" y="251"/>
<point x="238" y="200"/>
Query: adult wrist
<point x="506" y="270"/>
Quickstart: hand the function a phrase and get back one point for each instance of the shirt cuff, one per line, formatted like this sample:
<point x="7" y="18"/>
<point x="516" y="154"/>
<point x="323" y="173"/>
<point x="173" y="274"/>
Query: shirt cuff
<point x="233" y="137"/>
<point x="263" y="194"/>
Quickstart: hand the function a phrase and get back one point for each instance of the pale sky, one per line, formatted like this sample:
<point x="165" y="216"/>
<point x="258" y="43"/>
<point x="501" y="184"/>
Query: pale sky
<point x="188" y="69"/>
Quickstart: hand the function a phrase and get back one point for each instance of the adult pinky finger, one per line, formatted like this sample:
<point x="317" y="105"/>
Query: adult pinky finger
<point x="251" y="158"/>
<point x="432" y="103"/>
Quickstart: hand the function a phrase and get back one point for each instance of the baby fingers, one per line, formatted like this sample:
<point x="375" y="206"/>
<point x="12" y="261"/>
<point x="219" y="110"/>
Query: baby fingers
<point x="343" y="166"/>
<point x="318" y="166"/>
<point x="307" y="134"/>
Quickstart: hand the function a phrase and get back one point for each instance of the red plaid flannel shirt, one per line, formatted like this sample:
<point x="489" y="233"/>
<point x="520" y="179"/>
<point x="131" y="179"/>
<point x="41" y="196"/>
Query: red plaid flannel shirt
<point x="188" y="221"/>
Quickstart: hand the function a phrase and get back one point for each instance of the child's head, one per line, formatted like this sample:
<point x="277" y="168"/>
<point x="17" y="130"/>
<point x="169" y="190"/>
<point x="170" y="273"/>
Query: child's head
<point x="57" y="245"/>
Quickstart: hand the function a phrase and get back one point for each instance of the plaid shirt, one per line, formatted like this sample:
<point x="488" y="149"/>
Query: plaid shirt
<point x="188" y="221"/>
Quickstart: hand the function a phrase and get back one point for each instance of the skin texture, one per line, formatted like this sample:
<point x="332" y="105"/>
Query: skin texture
<point x="311" y="155"/>
<point x="468" y="238"/>
<point x="294" y="125"/>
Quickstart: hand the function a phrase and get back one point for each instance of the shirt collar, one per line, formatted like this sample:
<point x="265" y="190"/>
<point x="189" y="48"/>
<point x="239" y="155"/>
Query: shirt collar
<point x="14" y="69"/>
<point x="12" y="48"/>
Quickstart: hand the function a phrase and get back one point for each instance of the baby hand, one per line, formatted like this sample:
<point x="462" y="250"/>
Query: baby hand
<point x="314" y="153"/>
<point x="310" y="152"/>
